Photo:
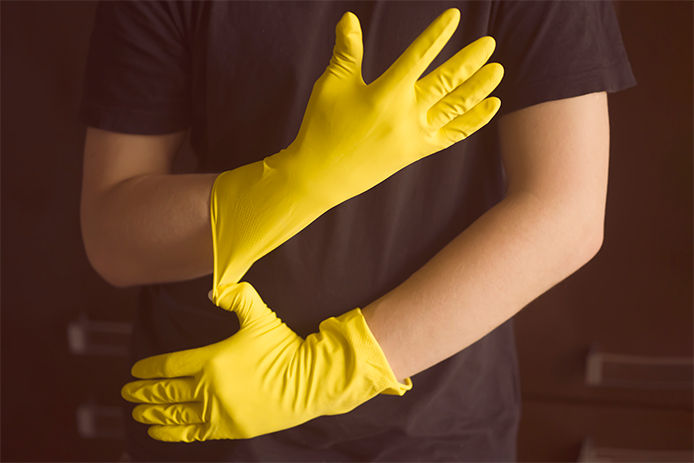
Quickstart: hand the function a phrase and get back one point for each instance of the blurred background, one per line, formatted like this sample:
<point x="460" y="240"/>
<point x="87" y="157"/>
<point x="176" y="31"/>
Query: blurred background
<point x="605" y="356"/>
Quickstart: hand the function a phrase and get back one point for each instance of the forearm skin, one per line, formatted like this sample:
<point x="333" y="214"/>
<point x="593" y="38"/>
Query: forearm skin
<point x="511" y="255"/>
<point x="151" y="229"/>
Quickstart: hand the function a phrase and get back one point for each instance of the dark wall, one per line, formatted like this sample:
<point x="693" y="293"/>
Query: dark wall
<point x="46" y="279"/>
<point x="634" y="298"/>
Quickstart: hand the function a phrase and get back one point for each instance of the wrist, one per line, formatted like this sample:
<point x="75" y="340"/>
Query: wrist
<point x="305" y="181"/>
<point x="369" y="357"/>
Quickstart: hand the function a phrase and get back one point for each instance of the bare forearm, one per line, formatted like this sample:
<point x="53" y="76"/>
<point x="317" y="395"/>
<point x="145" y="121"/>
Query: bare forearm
<point x="152" y="229"/>
<point x="512" y="254"/>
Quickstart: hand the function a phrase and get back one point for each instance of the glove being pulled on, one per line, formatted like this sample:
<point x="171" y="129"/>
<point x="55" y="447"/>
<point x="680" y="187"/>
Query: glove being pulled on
<point x="352" y="137"/>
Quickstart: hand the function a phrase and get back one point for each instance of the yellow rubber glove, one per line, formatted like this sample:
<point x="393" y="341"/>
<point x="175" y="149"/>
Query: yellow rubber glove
<point x="263" y="379"/>
<point x="352" y="137"/>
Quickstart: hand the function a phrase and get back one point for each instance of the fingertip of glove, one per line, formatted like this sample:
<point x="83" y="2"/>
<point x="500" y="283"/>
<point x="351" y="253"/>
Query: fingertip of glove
<point x="159" y="432"/>
<point x="489" y="41"/>
<point x="450" y="18"/>
<point x="484" y="46"/>
<point x="348" y="26"/>
<point x="493" y="73"/>
<point x="243" y="293"/>
<point x="494" y="103"/>
<point x="349" y="18"/>
<point x="137" y="415"/>
<point x="498" y="68"/>
<point x="125" y="393"/>
<point x="155" y="433"/>
<point x="135" y="371"/>
<point x="230" y="295"/>
<point x="453" y="14"/>
<point x="175" y="433"/>
<point x="243" y="299"/>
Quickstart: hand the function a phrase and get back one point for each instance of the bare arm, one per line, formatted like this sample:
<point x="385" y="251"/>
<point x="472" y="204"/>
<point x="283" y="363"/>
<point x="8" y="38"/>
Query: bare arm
<point x="549" y="224"/>
<point x="140" y="223"/>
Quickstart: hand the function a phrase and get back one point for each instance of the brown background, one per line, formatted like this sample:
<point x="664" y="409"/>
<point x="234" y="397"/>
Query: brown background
<point x="634" y="298"/>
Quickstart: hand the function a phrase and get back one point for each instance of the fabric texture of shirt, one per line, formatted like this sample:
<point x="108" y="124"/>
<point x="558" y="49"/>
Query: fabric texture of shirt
<point x="238" y="75"/>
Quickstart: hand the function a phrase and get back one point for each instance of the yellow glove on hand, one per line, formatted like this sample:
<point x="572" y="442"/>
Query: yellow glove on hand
<point x="263" y="379"/>
<point x="352" y="137"/>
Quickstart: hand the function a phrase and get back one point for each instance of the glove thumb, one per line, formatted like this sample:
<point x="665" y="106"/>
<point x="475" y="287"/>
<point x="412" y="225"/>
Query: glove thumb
<point x="243" y="299"/>
<point x="349" y="49"/>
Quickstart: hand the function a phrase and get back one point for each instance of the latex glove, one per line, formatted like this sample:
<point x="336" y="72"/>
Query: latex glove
<point x="352" y="137"/>
<point x="263" y="379"/>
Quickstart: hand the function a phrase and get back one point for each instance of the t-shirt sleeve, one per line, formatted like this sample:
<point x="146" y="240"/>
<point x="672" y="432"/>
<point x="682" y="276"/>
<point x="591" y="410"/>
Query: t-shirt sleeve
<point x="559" y="49"/>
<point x="137" y="74"/>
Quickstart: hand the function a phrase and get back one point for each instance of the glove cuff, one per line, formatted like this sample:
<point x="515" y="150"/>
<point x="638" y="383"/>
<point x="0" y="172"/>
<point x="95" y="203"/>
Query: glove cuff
<point x="254" y="209"/>
<point x="370" y="358"/>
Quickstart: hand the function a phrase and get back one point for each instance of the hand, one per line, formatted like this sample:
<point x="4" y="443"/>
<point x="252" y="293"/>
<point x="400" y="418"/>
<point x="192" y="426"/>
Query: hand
<point x="352" y="137"/>
<point x="355" y="135"/>
<point x="262" y="379"/>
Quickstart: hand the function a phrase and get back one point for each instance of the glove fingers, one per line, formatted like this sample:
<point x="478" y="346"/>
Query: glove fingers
<point x="171" y="414"/>
<point x="349" y="48"/>
<point x="456" y="70"/>
<point x="243" y="299"/>
<point x="177" y="433"/>
<point x="463" y="126"/>
<point x="182" y="363"/>
<point x="466" y="96"/>
<point x="160" y="391"/>
<point x="417" y="57"/>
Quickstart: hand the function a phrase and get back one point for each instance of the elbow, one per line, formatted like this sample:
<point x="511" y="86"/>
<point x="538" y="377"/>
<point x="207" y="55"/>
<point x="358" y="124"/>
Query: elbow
<point x="104" y="269"/>
<point x="99" y="251"/>
<point x="102" y="262"/>
<point x="594" y="243"/>
<point x="588" y="240"/>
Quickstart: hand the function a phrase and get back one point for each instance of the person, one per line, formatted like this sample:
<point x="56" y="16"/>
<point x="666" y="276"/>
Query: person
<point x="441" y="254"/>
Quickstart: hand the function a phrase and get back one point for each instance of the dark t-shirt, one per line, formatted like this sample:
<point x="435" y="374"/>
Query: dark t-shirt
<point x="239" y="75"/>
